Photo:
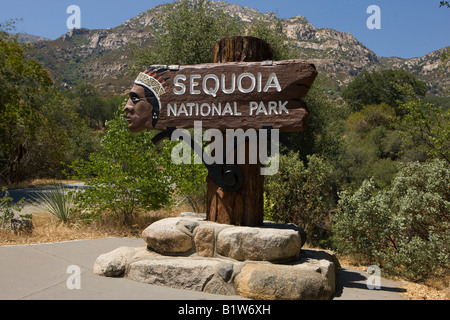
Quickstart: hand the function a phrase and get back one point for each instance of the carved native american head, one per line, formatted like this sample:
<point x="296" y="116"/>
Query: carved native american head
<point x="144" y="105"/>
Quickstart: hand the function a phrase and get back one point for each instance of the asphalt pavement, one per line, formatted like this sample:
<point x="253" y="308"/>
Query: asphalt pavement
<point x="30" y="193"/>
<point x="44" y="272"/>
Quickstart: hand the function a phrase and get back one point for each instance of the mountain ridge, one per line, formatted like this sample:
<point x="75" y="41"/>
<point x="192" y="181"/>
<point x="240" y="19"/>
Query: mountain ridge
<point x="28" y="38"/>
<point x="103" y="56"/>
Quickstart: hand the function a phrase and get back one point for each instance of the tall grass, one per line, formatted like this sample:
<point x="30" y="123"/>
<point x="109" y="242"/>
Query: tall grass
<point x="57" y="201"/>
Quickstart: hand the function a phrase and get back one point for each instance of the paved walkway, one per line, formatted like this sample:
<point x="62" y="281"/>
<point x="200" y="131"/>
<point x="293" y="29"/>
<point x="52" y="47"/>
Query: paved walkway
<point x="352" y="285"/>
<point x="40" y="272"/>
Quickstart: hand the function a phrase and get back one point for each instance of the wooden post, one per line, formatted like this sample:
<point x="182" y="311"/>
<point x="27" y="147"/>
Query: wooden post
<point x="246" y="206"/>
<point x="241" y="49"/>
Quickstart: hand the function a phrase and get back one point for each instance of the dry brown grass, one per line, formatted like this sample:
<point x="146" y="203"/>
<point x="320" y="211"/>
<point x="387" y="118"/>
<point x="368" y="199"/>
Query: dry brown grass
<point x="416" y="291"/>
<point x="48" y="230"/>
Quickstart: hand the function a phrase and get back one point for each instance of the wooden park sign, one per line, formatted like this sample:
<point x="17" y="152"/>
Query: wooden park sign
<point x="243" y="89"/>
<point x="226" y="95"/>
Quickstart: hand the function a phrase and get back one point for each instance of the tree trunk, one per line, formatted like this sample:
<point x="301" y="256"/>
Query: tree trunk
<point x="241" y="49"/>
<point x="246" y="206"/>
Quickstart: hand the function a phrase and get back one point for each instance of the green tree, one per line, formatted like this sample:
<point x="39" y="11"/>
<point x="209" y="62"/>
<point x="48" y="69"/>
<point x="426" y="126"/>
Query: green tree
<point x="64" y="134"/>
<point x="370" y="147"/>
<point x="381" y="87"/>
<point x="130" y="174"/>
<point x="425" y="126"/>
<point x="189" y="181"/>
<point x="50" y="135"/>
<point x="370" y="117"/>
<point x="90" y="106"/>
<point x="187" y="34"/>
<point x="23" y="86"/>
<point x="325" y="125"/>
<point x="125" y="177"/>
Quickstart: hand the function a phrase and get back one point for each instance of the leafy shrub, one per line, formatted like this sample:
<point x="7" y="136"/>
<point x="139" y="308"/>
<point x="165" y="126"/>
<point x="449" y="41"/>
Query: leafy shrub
<point x="404" y="228"/>
<point x="425" y="126"/>
<point x="301" y="195"/>
<point x="370" y="117"/>
<point x="125" y="177"/>
<point x="130" y="175"/>
<point x="190" y="183"/>
<point x="362" y="224"/>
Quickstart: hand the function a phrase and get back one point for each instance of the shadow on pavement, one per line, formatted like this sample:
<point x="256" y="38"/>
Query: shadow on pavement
<point x="351" y="281"/>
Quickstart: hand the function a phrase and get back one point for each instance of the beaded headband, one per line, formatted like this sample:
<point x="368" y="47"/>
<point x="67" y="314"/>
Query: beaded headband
<point x="151" y="83"/>
<point x="155" y="86"/>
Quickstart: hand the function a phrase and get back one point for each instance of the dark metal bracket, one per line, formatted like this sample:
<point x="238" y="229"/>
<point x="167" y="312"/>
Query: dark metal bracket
<point x="283" y="139"/>
<point x="229" y="177"/>
<point x="163" y="135"/>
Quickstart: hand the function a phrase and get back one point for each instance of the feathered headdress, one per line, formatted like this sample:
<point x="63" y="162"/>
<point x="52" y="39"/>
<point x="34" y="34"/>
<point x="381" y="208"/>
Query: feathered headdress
<point x="152" y="79"/>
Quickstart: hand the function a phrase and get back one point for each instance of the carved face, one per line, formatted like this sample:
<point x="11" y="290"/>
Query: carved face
<point x="143" y="107"/>
<point x="139" y="110"/>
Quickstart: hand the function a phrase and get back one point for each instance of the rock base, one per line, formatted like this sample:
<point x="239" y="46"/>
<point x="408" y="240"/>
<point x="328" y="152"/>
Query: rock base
<point x="18" y="224"/>
<point x="264" y="263"/>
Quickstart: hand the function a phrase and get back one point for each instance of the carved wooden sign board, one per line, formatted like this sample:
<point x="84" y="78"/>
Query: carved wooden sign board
<point x="222" y="95"/>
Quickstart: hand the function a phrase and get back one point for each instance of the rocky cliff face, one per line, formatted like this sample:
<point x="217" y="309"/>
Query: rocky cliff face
<point x="29" y="38"/>
<point x="337" y="53"/>
<point x="428" y="68"/>
<point x="103" y="57"/>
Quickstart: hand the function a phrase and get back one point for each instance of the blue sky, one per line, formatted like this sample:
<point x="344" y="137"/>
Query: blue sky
<point x="409" y="28"/>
